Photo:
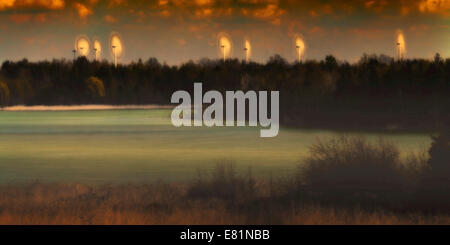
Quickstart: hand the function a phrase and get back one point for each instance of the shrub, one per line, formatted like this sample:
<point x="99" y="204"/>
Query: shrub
<point x="440" y="157"/>
<point x="223" y="183"/>
<point x="434" y="192"/>
<point x="352" y="169"/>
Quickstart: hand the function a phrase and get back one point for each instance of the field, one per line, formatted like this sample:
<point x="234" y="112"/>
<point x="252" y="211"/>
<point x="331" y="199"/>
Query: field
<point x="122" y="146"/>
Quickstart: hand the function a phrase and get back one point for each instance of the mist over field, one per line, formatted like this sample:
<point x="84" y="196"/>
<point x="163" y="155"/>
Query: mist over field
<point x="84" y="107"/>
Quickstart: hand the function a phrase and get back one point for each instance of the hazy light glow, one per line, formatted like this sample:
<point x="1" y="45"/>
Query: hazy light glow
<point x="116" y="46"/>
<point x="225" y="46"/>
<point x="247" y="49"/>
<point x="82" y="45"/>
<point x="401" y="45"/>
<point x="116" y="42"/>
<point x="300" y="48"/>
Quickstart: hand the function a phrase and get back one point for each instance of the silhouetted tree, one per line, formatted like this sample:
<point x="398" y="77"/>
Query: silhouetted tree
<point x="440" y="157"/>
<point x="437" y="58"/>
<point x="373" y="93"/>
<point x="330" y="62"/>
<point x="4" y="94"/>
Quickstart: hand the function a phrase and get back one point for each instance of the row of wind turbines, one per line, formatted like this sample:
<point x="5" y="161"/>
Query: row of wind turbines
<point x="82" y="47"/>
<point x="299" y="45"/>
<point x="225" y="45"/>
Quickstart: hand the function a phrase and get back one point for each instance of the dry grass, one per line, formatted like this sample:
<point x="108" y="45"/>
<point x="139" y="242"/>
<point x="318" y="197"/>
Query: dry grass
<point x="168" y="204"/>
<point x="344" y="181"/>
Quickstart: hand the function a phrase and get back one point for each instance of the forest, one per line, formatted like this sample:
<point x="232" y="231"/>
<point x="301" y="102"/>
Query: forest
<point x="377" y="92"/>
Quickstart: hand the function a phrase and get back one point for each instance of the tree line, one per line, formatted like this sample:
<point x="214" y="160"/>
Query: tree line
<point x="376" y="92"/>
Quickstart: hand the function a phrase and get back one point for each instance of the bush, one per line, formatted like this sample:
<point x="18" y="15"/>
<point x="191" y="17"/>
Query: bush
<point x="434" y="192"/>
<point x="352" y="169"/>
<point x="440" y="157"/>
<point x="223" y="183"/>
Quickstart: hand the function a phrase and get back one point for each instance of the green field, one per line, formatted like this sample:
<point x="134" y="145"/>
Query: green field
<point x="142" y="145"/>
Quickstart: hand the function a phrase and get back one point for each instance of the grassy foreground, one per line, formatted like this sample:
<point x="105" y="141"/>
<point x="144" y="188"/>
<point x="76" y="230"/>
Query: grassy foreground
<point x="344" y="180"/>
<point x="169" y="204"/>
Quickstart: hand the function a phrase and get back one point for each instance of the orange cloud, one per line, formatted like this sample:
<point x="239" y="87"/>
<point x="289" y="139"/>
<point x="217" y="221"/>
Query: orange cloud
<point x="29" y="40"/>
<point x="419" y="28"/>
<point x="316" y="30"/>
<point x="40" y="17"/>
<point x="45" y="4"/>
<point x="376" y="5"/>
<point x="165" y="13"/>
<point x="271" y="13"/>
<point x="203" y="12"/>
<point x="20" y="18"/>
<point x="110" y="19"/>
<point x="4" y="4"/>
<point x="181" y="42"/>
<point x="435" y="6"/>
<point x="116" y="2"/>
<point x="224" y="11"/>
<point x="163" y="2"/>
<point x="203" y="2"/>
<point x="313" y="13"/>
<point x="83" y="10"/>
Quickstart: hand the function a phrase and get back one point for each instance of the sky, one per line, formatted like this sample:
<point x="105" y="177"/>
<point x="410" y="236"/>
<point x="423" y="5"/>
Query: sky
<point x="176" y="31"/>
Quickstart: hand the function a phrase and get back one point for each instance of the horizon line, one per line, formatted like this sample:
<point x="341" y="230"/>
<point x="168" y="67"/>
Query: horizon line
<point x="220" y="60"/>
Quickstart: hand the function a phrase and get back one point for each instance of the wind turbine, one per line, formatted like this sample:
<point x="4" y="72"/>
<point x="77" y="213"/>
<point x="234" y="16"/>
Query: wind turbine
<point x="95" y="53"/>
<point x="116" y="47"/>
<point x="247" y="49"/>
<point x="300" y="47"/>
<point x="224" y="46"/>
<point x="115" y="56"/>
<point x="82" y="46"/>
<point x="223" y="51"/>
<point x="401" y="45"/>
<point x="97" y="47"/>
<point x="246" y="54"/>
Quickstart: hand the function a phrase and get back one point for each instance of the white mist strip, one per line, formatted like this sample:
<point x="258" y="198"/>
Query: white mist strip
<point x="85" y="107"/>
